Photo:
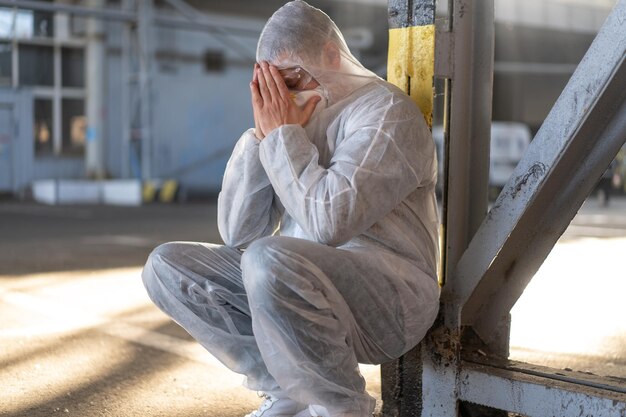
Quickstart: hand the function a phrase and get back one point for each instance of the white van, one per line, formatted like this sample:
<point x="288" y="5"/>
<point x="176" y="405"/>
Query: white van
<point x="509" y="141"/>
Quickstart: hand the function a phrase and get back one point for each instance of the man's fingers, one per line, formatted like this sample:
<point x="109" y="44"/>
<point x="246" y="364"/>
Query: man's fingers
<point x="257" y="100"/>
<point x="280" y="83"/>
<point x="308" y="109"/>
<point x="269" y="81"/>
<point x="255" y="77"/>
<point x="262" y="83"/>
<point x="257" y="103"/>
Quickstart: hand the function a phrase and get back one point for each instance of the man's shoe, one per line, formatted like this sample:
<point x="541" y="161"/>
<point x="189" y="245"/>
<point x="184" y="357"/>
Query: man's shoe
<point x="277" y="407"/>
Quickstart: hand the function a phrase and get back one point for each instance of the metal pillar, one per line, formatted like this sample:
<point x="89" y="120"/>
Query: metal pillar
<point x="578" y="139"/>
<point x="581" y="135"/>
<point x="465" y="50"/>
<point x="469" y="123"/>
<point x="128" y="87"/>
<point x="136" y="103"/>
<point x="145" y="35"/>
<point x="410" y="67"/>
<point x="95" y="64"/>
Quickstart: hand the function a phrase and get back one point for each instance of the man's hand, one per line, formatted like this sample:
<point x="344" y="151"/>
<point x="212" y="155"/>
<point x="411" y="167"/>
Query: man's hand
<point x="272" y="103"/>
<point x="257" y="128"/>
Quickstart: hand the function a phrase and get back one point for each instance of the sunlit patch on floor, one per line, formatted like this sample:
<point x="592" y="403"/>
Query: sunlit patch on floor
<point x="574" y="309"/>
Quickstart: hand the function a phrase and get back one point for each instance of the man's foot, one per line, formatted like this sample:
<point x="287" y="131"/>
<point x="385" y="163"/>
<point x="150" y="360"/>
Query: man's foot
<point x="277" y="407"/>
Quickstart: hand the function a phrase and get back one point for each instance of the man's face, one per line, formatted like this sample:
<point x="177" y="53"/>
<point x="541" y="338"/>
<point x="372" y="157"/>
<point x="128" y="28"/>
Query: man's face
<point x="298" y="79"/>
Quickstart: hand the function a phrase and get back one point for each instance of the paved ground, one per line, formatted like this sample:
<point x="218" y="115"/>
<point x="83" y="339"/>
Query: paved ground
<point x="79" y="336"/>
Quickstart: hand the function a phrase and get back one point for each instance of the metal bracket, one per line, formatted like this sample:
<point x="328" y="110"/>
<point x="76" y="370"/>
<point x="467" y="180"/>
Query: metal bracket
<point x="536" y="393"/>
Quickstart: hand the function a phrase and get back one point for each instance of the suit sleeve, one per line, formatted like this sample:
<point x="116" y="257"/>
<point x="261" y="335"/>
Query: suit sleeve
<point x="385" y="152"/>
<point x="246" y="209"/>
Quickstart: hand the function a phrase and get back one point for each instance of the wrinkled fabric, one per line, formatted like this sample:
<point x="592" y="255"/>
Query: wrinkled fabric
<point x="294" y="315"/>
<point x="330" y="231"/>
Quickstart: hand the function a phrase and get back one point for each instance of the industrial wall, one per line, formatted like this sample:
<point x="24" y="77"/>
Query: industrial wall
<point x="199" y="108"/>
<point x="200" y="103"/>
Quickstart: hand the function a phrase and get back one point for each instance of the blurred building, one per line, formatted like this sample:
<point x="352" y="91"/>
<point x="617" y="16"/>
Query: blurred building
<point x="106" y="97"/>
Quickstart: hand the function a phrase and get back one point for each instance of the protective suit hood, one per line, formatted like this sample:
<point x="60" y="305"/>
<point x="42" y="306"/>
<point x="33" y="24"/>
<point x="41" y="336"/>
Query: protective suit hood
<point x="299" y="35"/>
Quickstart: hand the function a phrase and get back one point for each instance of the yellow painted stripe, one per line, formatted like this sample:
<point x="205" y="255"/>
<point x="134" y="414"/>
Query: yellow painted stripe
<point x="412" y="55"/>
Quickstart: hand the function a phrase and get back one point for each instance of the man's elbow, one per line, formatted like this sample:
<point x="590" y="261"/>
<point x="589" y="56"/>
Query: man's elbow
<point x="333" y="236"/>
<point x="234" y="242"/>
<point x="230" y="238"/>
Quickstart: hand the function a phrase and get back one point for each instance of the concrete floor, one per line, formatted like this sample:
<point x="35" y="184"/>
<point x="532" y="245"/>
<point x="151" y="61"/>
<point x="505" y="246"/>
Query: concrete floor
<point x="80" y="337"/>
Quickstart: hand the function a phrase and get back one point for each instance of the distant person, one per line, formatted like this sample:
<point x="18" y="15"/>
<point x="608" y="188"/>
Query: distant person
<point x="329" y="217"/>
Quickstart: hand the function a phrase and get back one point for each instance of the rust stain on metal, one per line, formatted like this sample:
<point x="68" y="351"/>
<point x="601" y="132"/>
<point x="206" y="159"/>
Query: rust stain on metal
<point x="446" y="343"/>
<point x="536" y="171"/>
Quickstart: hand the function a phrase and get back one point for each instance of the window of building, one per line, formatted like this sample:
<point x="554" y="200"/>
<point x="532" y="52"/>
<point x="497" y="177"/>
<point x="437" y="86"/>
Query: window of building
<point x="56" y="75"/>
<point x="25" y="24"/>
<point x="50" y="61"/>
<point x="74" y="125"/>
<point x="43" y="126"/>
<point x="6" y="63"/>
<point x="43" y="24"/>
<point x="36" y="65"/>
<point x="72" y="67"/>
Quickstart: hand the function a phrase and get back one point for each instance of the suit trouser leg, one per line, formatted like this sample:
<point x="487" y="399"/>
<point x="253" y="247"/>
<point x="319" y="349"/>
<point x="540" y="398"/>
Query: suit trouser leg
<point x="200" y="287"/>
<point x="317" y="311"/>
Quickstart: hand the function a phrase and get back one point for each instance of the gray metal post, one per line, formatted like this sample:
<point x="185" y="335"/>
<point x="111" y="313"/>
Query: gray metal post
<point x="145" y="28"/>
<point x="411" y="65"/>
<point x="468" y="61"/>
<point x="94" y="148"/>
<point x="470" y="124"/>
<point x="125" y="102"/>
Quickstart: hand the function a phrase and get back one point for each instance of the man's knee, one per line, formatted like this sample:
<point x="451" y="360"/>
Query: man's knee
<point x="262" y="263"/>
<point x="154" y="270"/>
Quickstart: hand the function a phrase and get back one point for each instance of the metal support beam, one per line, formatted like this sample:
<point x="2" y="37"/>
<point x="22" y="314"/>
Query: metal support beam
<point x="536" y="396"/>
<point x="410" y="66"/>
<point x="465" y="58"/>
<point x="127" y="75"/>
<point x="469" y="127"/>
<point x="441" y="358"/>
<point x="95" y="64"/>
<point x="146" y="55"/>
<point x="576" y="143"/>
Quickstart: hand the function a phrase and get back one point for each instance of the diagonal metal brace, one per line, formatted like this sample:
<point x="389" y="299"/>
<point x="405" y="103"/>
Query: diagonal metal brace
<point x="577" y="141"/>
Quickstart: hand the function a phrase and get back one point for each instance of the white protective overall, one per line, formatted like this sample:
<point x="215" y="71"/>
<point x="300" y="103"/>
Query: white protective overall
<point x="339" y="224"/>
